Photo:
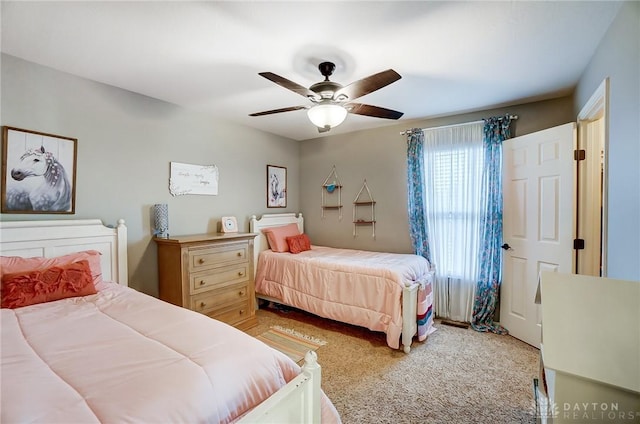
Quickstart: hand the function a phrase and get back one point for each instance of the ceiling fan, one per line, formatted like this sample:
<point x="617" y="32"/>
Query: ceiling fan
<point x="331" y="101"/>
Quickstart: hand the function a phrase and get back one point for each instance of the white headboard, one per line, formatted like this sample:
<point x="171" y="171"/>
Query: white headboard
<point x="270" y="220"/>
<point x="55" y="238"/>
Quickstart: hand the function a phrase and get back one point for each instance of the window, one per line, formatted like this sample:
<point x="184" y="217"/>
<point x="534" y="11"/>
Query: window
<point x="454" y="159"/>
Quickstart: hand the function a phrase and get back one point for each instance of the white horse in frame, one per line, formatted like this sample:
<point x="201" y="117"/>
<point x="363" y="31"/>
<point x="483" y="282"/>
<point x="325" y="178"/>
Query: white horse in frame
<point x="37" y="180"/>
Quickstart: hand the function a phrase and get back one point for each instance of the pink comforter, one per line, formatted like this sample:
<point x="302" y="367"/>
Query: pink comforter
<point x="122" y="356"/>
<point x="354" y="286"/>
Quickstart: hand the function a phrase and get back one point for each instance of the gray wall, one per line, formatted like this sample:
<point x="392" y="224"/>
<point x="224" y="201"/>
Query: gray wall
<point x="125" y="144"/>
<point x="618" y="58"/>
<point x="379" y="156"/>
<point x="126" y="141"/>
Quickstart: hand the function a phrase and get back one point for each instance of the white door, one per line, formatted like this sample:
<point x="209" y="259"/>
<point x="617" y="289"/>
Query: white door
<point x="538" y="222"/>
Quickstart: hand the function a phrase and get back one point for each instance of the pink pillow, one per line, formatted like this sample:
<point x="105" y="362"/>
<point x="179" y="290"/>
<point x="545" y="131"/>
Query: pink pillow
<point x="299" y="243"/>
<point x="277" y="236"/>
<point x="39" y="286"/>
<point x="17" y="264"/>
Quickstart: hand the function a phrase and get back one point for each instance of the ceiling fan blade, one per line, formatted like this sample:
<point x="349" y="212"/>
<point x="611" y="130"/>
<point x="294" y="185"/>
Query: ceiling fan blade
<point x="284" y="109"/>
<point x="375" y="111"/>
<point x="367" y="85"/>
<point x="290" y="85"/>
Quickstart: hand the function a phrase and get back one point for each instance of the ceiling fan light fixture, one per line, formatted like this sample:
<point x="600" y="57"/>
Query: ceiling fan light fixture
<point x="332" y="101"/>
<point x="327" y="115"/>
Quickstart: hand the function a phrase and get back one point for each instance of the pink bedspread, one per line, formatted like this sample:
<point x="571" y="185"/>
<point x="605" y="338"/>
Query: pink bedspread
<point x="122" y="356"/>
<point x="354" y="286"/>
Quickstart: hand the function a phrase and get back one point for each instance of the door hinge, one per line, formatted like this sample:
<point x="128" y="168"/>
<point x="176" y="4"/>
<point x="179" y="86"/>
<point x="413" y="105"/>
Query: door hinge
<point x="578" y="244"/>
<point x="579" y="154"/>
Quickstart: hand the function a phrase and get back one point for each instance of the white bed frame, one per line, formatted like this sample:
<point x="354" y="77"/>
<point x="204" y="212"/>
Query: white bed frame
<point x="409" y="293"/>
<point x="297" y="402"/>
<point x="56" y="238"/>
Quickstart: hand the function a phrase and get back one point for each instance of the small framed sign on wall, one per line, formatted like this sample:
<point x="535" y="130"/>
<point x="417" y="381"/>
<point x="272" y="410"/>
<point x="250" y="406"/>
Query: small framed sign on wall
<point x="38" y="172"/>
<point x="276" y="186"/>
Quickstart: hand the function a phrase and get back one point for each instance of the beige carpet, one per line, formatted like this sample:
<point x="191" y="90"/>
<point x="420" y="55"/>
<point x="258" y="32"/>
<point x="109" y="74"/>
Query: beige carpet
<point x="456" y="376"/>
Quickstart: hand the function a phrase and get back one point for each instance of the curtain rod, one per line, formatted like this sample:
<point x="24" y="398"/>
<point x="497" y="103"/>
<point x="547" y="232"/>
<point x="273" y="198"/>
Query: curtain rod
<point x="408" y="132"/>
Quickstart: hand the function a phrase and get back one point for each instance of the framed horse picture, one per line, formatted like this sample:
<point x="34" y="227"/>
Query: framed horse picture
<point x="38" y="172"/>
<point x="276" y="186"/>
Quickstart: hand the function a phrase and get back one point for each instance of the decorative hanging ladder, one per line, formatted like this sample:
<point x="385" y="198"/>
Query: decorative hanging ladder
<point x="364" y="199"/>
<point x="332" y="188"/>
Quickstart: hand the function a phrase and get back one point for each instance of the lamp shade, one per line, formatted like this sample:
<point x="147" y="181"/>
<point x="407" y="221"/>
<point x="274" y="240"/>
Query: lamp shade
<point x="327" y="115"/>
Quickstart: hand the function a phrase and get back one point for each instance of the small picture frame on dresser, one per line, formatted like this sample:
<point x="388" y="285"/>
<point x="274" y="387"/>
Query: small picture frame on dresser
<point x="228" y="224"/>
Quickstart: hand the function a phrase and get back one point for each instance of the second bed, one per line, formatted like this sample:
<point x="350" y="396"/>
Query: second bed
<point x="387" y="292"/>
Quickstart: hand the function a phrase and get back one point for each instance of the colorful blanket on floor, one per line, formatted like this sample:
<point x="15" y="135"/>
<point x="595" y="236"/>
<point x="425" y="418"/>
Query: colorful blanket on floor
<point x="425" y="310"/>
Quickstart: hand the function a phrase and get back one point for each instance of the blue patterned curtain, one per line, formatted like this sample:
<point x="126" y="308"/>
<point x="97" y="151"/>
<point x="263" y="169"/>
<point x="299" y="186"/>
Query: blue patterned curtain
<point x="496" y="130"/>
<point x="415" y="195"/>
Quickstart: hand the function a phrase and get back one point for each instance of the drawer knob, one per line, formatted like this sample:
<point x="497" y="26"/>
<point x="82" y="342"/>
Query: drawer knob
<point x="241" y="311"/>
<point x="202" y="282"/>
<point x="239" y="254"/>
<point x="240" y="273"/>
<point x="200" y="261"/>
<point x="241" y="293"/>
<point x="202" y="304"/>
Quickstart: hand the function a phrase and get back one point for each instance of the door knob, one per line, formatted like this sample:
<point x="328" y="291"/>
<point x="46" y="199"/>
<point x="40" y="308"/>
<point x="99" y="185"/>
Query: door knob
<point x="506" y="246"/>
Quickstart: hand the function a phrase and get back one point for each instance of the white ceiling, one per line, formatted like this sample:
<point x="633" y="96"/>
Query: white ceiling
<point x="454" y="57"/>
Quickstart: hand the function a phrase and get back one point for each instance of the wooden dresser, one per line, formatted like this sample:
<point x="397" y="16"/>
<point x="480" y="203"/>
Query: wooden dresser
<point x="211" y="274"/>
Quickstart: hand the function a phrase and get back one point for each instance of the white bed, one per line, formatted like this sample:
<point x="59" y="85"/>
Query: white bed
<point x="119" y="355"/>
<point x="346" y="285"/>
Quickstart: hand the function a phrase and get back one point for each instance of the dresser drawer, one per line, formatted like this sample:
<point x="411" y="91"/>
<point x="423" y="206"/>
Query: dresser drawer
<point x="217" y="256"/>
<point x="214" y="299"/>
<point x="220" y="277"/>
<point x="232" y="314"/>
